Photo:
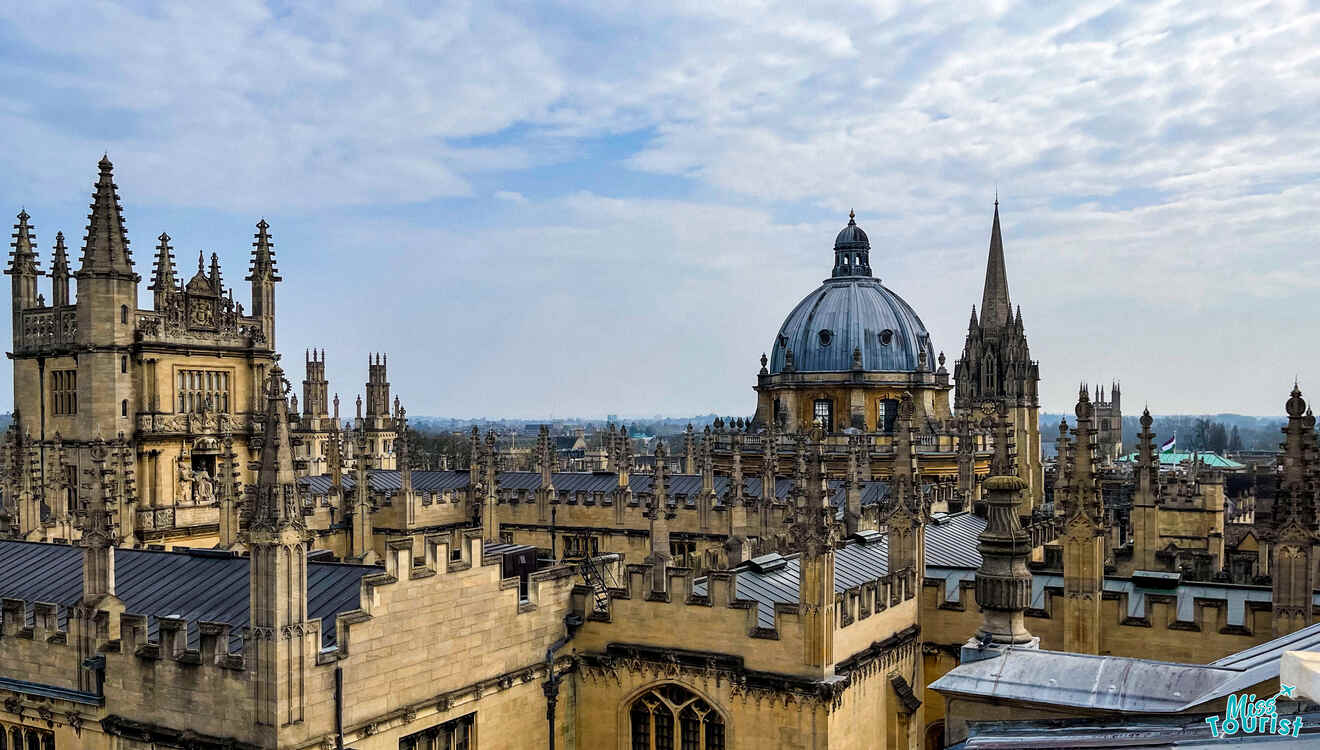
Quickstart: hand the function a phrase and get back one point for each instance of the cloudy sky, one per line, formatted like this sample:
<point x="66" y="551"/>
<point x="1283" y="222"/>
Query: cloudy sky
<point x="539" y="209"/>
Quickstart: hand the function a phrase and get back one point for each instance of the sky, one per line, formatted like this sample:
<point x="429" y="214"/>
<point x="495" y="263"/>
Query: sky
<point x="565" y="209"/>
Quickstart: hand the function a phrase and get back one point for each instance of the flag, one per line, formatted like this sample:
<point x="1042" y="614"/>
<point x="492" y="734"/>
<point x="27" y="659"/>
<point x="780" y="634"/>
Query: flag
<point x="1168" y="444"/>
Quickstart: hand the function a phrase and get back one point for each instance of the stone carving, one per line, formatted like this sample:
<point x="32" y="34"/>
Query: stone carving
<point x="204" y="487"/>
<point x="185" y="491"/>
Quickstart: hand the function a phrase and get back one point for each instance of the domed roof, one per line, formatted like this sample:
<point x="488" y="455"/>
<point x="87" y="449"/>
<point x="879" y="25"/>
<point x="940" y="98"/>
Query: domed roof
<point x="852" y="237"/>
<point x="852" y="311"/>
<point x="856" y="312"/>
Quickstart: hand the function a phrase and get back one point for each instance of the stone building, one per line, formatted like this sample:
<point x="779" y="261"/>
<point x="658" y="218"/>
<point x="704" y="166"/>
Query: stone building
<point x="1109" y="423"/>
<point x="846" y="354"/>
<point x="792" y="584"/>
<point x="996" y="371"/>
<point x="171" y="388"/>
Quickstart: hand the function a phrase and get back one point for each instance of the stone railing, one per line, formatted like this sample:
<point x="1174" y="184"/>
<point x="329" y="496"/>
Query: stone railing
<point x="48" y="328"/>
<point x="170" y="327"/>
<point x="149" y="423"/>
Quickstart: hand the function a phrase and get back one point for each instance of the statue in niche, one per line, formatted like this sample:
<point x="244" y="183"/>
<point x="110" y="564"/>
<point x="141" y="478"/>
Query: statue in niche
<point x="205" y="487"/>
<point x="185" y="489"/>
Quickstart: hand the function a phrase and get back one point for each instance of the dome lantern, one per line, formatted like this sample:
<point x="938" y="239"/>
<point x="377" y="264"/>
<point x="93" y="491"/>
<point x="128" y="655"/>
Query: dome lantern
<point x="852" y="250"/>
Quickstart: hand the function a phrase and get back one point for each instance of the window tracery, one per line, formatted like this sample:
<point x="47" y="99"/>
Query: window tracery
<point x="670" y="717"/>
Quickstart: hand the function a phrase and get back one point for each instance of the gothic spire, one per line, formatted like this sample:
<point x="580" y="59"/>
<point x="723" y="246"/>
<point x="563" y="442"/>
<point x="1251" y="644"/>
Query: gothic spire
<point x="214" y="276"/>
<point x="263" y="256"/>
<point x="1293" y="502"/>
<point x="996" y="309"/>
<point x="276" y="504"/>
<point x="162" y="276"/>
<point x="59" y="273"/>
<point x="23" y="259"/>
<point x="105" y="248"/>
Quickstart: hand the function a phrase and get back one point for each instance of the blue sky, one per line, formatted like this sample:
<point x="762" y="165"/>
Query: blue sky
<point x="541" y="209"/>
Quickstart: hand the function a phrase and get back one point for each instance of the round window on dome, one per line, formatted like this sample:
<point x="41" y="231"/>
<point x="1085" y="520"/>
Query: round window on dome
<point x="886" y="336"/>
<point x="826" y="336"/>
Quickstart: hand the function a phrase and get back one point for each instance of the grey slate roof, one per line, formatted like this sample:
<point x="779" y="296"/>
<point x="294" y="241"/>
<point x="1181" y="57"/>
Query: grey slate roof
<point x="684" y="485"/>
<point x="854" y="564"/>
<point x="856" y="310"/>
<point x="195" y="585"/>
<point x="1123" y="684"/>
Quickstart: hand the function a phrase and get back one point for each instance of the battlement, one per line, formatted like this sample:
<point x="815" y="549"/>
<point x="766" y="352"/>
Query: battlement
<point x="1211" y="619"/>
<point x="128" y="634"/>
<point x="544" y="587"/>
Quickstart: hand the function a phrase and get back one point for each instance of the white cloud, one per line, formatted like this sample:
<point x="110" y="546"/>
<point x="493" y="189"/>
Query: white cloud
<point x="1157" y="164"/>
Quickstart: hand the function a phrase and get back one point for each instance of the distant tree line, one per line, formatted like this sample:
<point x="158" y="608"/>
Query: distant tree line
<point x="1218" y="433"/>
<point x="425" y="448"/>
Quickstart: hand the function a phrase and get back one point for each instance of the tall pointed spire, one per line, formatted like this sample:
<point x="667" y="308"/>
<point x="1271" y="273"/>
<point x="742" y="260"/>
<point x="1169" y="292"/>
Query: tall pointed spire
<point x="163" y="279"/>
<point x="105" y="248"/>
<point x="22" y="259"/>
<point x="59" y="273"/>
<point x="263" y="256"/>
<point x="214" y="276"/>
<point x="996" y="309"/>
<point x="276" y="505"/>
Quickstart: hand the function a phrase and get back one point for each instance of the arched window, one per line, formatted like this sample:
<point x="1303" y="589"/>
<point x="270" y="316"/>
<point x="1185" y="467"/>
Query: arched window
<point x="123" y="408"/>
<point x="123" y="313"/>
<point x="123" y="363"/>
<point x="669" y="717"/>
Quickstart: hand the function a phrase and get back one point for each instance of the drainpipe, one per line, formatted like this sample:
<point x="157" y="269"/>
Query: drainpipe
<point x="339" y="708"/>
<point x="551" y="685"/>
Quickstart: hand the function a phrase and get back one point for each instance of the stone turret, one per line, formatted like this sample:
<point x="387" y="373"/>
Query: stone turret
<point x="282" y="644"/>
<point x="60" y="273"/>
<point x="23" y="268"/>
<point x="316" y="388"/>
<point x="907" y="511"/>
<point x="99" y="608"/>
<point x="1003" y="583"/>
<point x="490" y="522"/>
<point x="263" y="276"/>
<point x="1145" y="498"/>
<point x="1083" y="539"/>
<point x="659" y="514"/>
<point x="106" y="313"/>
<point x="1293" y="533"/>
<point x="813" y="534"/>
<point x="164" y="281"/>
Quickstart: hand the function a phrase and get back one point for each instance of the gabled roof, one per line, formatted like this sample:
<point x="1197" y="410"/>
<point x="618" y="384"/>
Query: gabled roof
<point x="196" y="585"/>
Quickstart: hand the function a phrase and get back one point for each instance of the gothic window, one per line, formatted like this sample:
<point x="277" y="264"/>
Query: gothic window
<point x="456" y="734"/>
<point x="886" y="411"/>
<point x="824" y="414"/>
<point x="670" y="717"/>
<point x="203" y="390"/>
<point x="64" y="387"/>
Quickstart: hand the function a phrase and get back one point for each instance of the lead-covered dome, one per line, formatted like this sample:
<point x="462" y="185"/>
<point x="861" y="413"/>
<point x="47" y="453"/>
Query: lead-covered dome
<point x="852" y="311"/>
